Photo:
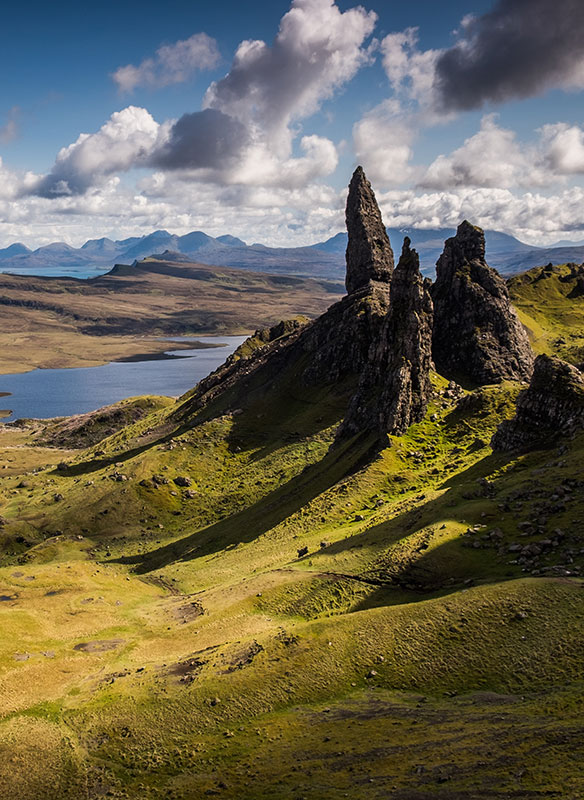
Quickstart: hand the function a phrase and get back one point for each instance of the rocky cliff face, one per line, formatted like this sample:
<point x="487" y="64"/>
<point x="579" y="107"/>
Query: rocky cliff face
<point x="369" y="253"/>
<point x="338" y="343"/>
<point x="340" y="340"/>
<point x="477" y="334"/>
<point x="552" y="406"/>
<point x="395" y="386"/>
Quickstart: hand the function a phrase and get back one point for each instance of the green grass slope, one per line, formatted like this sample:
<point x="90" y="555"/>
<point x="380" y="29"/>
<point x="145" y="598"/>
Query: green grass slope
<point x="550" y="301"/>
<point x="228" y="604"/>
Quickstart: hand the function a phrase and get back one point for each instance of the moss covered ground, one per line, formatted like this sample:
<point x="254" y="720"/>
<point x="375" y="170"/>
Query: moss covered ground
<point x="230" y="606"/>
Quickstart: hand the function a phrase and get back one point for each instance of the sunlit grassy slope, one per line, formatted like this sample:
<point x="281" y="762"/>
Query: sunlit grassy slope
<point x="163" y="638"/>
<point x="550" y="301"/>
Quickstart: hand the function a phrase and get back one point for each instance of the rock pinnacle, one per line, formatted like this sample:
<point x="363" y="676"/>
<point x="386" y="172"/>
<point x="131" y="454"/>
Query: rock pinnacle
<point x="369" y="253"/>
<point x="477" y="334"/>
<point x="395" y="386"/>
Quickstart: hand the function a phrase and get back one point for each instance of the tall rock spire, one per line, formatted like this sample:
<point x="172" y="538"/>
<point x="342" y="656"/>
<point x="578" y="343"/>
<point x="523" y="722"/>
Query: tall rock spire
<point x="395" y="387"/>
<point x="407" y="389"/>
<point x="477" y="333"/>
<point x="369" y="253"/>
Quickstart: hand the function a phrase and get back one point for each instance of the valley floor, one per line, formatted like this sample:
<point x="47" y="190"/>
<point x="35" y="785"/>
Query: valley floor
<point x="65" y="322"/>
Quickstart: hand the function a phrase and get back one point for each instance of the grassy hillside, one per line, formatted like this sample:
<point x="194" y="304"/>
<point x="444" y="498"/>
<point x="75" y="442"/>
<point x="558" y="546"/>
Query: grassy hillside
<point x="166" y="636"/>
<point x="550" y="301"/>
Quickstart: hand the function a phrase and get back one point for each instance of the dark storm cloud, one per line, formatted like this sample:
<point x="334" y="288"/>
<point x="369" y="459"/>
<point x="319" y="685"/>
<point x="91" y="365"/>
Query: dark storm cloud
<point x="519" y="49"/>
<point x="206" y="139"/>
<point x="61" y="183"/>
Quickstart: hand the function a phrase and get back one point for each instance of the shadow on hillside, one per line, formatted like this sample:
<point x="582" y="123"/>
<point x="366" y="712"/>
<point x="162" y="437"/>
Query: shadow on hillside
<point x="262" y="516"/>
<point x="311" y="415"/>
<point x="252" y="522"/>
<point x="273" y="406"/>
<point x="95" y="464"/>
<point x="414" y="565"/>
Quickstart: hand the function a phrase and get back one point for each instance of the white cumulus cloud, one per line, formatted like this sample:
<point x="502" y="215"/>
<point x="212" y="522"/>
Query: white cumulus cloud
<point x="564" y="148"/>
<point x="317" y="49"/>
<point x="383" y="141"/>
<point x="409" y="69"/>
<point x="248" y="130"/>
<point x="126" y="140"/>
<point x="533" y="217"/>
<point x="490" y="158"/>
<point x="494" y="158"/>
<point x="172" y="63"/>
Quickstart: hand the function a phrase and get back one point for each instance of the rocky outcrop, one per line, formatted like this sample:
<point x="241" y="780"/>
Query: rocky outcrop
<point x="477" y="337"/>
<point x="575" y="276"/>
<point x="369" y="253"/>
<point x="395" y="387"/>
<point x="375" y="347"/>
<point x="332" y="349"/>
<point x="552" y="407"/>
<point x="337" y="344"/>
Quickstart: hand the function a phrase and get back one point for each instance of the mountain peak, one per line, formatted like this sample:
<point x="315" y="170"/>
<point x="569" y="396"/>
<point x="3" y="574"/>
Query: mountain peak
<point x="469" y="242"/>
<point x="232" y="241"/>
<point x="16" y="249"/>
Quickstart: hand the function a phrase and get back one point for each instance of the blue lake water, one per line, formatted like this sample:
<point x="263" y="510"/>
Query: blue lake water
<point x="45" y="393"/>
<point x="82" y="271"/>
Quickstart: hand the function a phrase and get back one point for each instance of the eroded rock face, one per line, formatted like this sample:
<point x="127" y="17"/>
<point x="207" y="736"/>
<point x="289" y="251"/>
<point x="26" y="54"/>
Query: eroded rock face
<point x="477" y="334"/>
<point x="369" y="253"/>
<point x="395" y="387"/>
<point x="339" y="342"/>
<point x="552" y="407"/>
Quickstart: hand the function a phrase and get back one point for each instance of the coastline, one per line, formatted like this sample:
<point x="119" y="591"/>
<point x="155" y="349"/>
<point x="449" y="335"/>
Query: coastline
<point x="48" y="351"/>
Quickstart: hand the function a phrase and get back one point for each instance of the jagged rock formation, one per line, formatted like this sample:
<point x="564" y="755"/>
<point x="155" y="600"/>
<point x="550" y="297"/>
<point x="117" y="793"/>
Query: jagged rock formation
<point x="405" y="397"/>
<point x="335" y="347"/>
<point x="477" y="333"/>
<point x="576" y="274"/>
<point x="369" y="254"/>
<point x="375" y="346"/>
<point x="395" y="387"/>
<point x="552" y="406"/>
<point x="338" y="343"/>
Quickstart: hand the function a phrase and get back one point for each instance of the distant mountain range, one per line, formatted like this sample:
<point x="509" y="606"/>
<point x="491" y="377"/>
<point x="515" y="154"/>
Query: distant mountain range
<point x="321" y="260"/>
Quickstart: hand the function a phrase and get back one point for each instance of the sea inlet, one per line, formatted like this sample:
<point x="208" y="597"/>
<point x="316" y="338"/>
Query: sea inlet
<point x="45" y="393"/>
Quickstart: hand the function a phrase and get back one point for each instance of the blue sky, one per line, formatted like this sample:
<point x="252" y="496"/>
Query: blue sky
<point x="445" y="104"/>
